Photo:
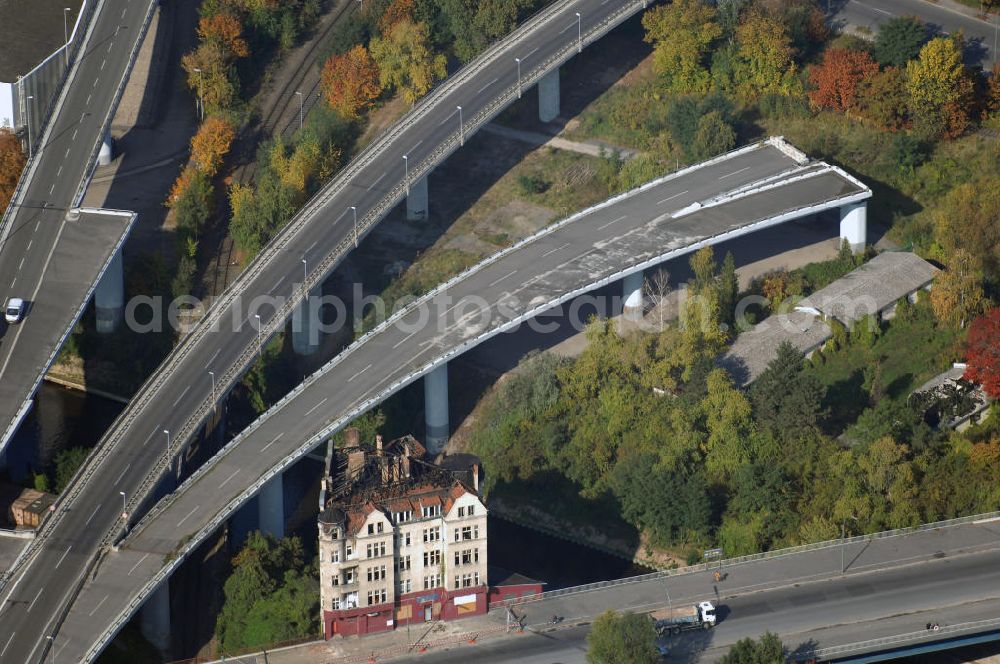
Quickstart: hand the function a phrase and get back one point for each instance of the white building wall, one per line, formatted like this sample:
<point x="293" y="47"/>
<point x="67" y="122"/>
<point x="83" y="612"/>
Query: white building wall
<point x="7" y="105"/>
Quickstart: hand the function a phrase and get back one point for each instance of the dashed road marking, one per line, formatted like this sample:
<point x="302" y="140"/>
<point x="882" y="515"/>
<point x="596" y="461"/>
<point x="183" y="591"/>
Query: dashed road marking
<point x="670" y="198"/>
<point x="313" y="409"/>
<point x="405" y="339"/>
<point x="226" y="481"/>
<point x="613" y="221"/>
<point x="182" y="395"/>
<point x="119" y="478"/>
<point x="377" y="180"/>
<point x="487" y="85"/>
<point x="137" y="564"/>
<point x="6" y="645"/>
<point x="93" y="514"/>
<point x="195" y="509"/>
<point x="359" y="373"/>
<point x="37" y="595"/>
<point x="94" y="610"/>
<point x="103" y="62"/>
<point x="63" y="557"/>
<point x="496" y="281"/>
<point x="745" y="168"/>
<point x="276" y="438"/>
<point x="552" y="251"/>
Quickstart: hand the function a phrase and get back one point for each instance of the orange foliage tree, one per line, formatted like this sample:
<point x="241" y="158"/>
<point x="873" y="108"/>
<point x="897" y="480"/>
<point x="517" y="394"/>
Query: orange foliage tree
<point x="351" y="81"/>
<point x="226" y="30"/>
<point x="400" y="10"/>
<point x="211" y="144"/>
<point x="12" y="162"/>
<point x="838" y="77"/>
<point x="983" y="352"/>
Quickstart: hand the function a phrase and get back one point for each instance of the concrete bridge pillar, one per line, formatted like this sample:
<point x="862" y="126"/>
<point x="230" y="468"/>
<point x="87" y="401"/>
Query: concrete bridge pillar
<point x="154" y="618"/>
<point x="854" y="224"/>
<point x="306" y="324"/>
<point x="109" y="296"/>
<point x="436" y="409"/>
<point x="548" y="96"/>
<point x="632" y="296"/>
<point x="271" y="508"/>
<point x="107" y="152"/>
<point x="417" y="208"/>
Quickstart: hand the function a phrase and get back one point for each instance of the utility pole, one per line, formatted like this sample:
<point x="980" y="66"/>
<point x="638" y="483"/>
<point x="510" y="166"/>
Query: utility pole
<point x="518" y="61"/>
<point x="579" y="33"/>
<point x="299" y="95"/>
<point x="201" y="103"/>
<point x="461" y="127"/>
<point x="66" y="11"/>
<point x="27" y="114"/>
<point x="355" y="211"/>
<point x="406" y="173"/>
<point x="260" y="344"/>
<point x="214" y="405"/>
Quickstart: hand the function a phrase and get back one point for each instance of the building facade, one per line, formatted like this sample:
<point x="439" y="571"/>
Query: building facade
<point x="400" y="541"/>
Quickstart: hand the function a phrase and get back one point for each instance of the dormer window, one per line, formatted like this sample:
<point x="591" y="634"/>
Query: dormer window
<point x="428" y="511"/>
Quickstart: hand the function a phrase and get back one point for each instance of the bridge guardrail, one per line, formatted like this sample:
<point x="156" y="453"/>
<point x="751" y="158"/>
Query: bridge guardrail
<point x="900" y="640"/>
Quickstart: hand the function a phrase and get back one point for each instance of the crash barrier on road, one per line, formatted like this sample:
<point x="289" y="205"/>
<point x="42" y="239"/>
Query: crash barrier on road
<point x="252" y="654"/>
<point x="740" y="560"/>
<point x="274" y="324"/>
<point x="900" y="640"/>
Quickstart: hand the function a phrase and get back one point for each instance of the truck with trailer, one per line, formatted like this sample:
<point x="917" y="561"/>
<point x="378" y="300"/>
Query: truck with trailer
<point x="682" y="619"/>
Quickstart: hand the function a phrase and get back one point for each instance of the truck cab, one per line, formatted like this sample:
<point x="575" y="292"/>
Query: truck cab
<point x="706" y="612"/>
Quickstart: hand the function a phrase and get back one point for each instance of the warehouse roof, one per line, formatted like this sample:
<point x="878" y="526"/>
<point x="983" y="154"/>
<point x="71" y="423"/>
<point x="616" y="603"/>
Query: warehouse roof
<point x="753" y="350"/>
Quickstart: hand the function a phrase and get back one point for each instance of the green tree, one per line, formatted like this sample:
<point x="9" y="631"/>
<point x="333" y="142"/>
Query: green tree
<point x="666" y="502"/>
<point x="682" y="34"/>
<point x="764" y="61"/>
<point x="729" y="288"/>
<point x="940" y="89"/>
<point x="899" y="40"/>
<point x="957" y="296"/>
<point x="714" y="136"/>
<point x="786" y="398"/>
<point x="406" y="62"/>
<point x="67" y="463"/>
<point x="883" y="99"/>
<point x="769" y="650"/>
<point x="622" y="638"/>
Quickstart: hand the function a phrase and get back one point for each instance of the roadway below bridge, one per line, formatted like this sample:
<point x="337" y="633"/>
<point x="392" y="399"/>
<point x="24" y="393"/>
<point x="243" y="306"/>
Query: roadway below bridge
<point x="768" y="183"/>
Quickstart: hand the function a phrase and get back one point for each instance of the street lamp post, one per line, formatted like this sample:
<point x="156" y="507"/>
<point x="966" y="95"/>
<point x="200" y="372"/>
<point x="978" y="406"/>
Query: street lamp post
<point x="299" y="94"/>
<point x="201" y="103"/>
<point x="843" y="542"/>
<point x="579" y="33"/>
<point x="167" y="448"/>
<point x="27" y="114"/>
<point x="66" y="11"/>
<point x="406" y="173"/>
<point x="124" y="511"/>
<point x="461" y="127"/>
<point x="260" y="344"/>
<point x="518" y="61"/>
<point x="214" y="405"/>
<point x="355" y="211"/>
<point x="305" y="273"/>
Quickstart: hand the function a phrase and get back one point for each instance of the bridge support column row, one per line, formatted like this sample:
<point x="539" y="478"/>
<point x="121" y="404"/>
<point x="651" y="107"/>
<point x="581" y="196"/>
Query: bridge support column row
<point x="436" y="409"/>
<point x="548" y="96"/>
<point x="854" y="225"/>
<point x="154" y="618"/>
<point x="109" y="296"/>
<point x="632" y="296"/>
<point x="271" y="508"/>
<point x="417" y="208"/>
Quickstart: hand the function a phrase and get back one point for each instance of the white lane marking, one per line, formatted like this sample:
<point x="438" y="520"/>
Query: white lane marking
<point x="150" y="436"/>
<point x="63" y="557"/>
<point x="552" y="251"/>
<point x="92" y="515"/>
<point x="21" y="264"/>
<point x="37" y="224"/>
<point x="95" y="83"/>
<point x="51" y="188"/>
<point x="510" y="274"/>
<point x="880" y="11"/>
<point x="103" y="62"/>
<point x="28" y="248"/>
<point x="670" y="198"/>
<point x="123" y="11"/>
<point x="313" y="409"/>
<point x="182" y="394"/>
<point x="37" y="595"/>
<point x="450" y="116"/>
<point x="137" y="564"/>
<point x="226" y="481"/>
<point x="571" y="25"/>
<point x="613" y="221"/>
<point x="6" y="645"/>
<point x="66" y="156"/>
<point x="745" y="168"/>
<point x="359" y="373"/>
<point x="73" y="138"/>
<point x="59" y="172"/>
<point x="405" y="339"/>
<point x="188" y="515"/>
<point x="118" y="29"/>
<point x="311" y="246"/>
<point x="529" y="53"/>
<point x="212" y="359"/>
<point x="487" y="85"/>
<point x="109" y="46"/>
<point x="276" y="438"/>
<point x="372" y="185"/>
<point x="121" y="474"/>
<point x="416" y="145"/>
<point x="273" y="288"/>
<point x="13" y="282"/>
<point x="94" y="610"/>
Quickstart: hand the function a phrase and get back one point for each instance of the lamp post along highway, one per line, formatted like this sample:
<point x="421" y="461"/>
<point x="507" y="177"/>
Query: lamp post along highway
<point x="167" y="448"/>
<point x="27" y="117"/>
<point x="305" y="273"/>
<point x="579" y="33"/>
<point x="299" y="94"/>
<point x="355" y="211"/>
<point x="461" y="127"/>
<point x="843" y="542"/>
<point x="406" y="173"/>
<point x="214" y="404"/>
<point x="66" y="11"/>
<point x="124" y="511"/>
<point x="518" y="61"/>
<point x="260" y="344"/>
<point x="200" y="103"/>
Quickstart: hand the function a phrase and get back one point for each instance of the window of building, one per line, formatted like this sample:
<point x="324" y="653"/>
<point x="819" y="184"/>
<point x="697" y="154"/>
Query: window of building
<point x="376" y="573"/>
<point x="470" y="510"/>
<point x="371" y="528"/>
<point x="376" y="596"/>
<point x="349" y="576"/>
<point x="428" y="511"/>
<point x="335" y="556"/>
<point x="475" y="577"/>
<point x="350" y="550"/>
<point x="335" y="580"/>
<point x="378" y="527"/>
<point x="334" y="603"/>
<point x="432" y="534"/>
<point x="375" y="549"/>
<point x="461" y="512"/>
<point x="432" y="581"/>
<point x="406" y="539"/>
<point x="458" y="581"/>
<point x="432" y="558"/>
<point x="403" y="516"/>
<point x="403" y="563"/>
<point x="467" y="557"/>
<point x="406" y="586"/>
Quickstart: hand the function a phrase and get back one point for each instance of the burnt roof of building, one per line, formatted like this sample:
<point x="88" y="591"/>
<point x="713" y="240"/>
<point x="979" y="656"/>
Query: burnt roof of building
<point x="499" y="577"/>
<point x="30" y="31"/>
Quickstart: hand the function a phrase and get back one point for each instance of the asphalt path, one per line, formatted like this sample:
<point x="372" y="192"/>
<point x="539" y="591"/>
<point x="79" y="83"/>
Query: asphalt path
<point x="311" y="244"/>
<point x="586" y="250"/>
<point x="839" y="611"/>
<point x="981" y="36"/>
<point x="27" y="268"/>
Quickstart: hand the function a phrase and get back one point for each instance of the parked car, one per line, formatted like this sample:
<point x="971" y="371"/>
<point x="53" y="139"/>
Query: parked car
<point x="14" y="311"/>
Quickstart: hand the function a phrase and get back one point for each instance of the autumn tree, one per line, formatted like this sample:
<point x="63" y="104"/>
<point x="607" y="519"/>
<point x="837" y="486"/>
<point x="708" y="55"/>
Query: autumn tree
<point x="211" y="75"/>
<point x="622" y="638"/>
<point x="958" y="295"/>
<point x="225" y="31"/>
<point x="838" y="77"/>
<point x="940" y="89"/>
<point x="12" y="161"/>
<point x="764" y="63"/>
<point x="992" y="102"/>
<point x="682" y="34"/>
<point x="406" y="62"/>
<point x="899" y="40"/>
<point x="211" y="144"/>
<point x="350" y="81"/>
<point x="982" y="352"/>
<point x="883" y="98"/>
<point x="398" y="10"/>
<point x="967" y="218"/>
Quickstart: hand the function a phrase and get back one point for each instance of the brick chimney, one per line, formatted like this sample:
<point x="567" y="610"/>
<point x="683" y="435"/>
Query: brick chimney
<point x="352" y="437"/>
<point x="378" y="443"/>
<point x="475" y="477"/>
